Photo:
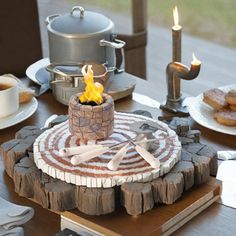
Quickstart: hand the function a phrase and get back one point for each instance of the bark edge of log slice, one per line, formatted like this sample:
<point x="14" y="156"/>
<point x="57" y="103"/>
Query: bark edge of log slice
<point x="25" y="175"/>
<point x="95" y="201"/>
<point x="137" y="198"/>
<point x="168" y="189"/>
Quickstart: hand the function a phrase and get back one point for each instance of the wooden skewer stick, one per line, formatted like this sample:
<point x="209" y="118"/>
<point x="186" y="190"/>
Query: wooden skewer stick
<point x="115" y="161"/>
<point x="70" y="151"/>
<point x="78" y="150"/>
<point x="86" y="156"/>
<point x="77" y="159"/>
<point x="147" y="156"/>
<point x="146" y="141"/>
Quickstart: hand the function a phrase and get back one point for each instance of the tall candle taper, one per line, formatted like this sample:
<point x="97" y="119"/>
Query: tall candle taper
<point x="176" y="46"/>
<point x="176" y="37"/>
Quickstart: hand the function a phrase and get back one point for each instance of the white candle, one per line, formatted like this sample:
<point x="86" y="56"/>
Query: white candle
<point x="176" y="37"/>
<point x="176" y="26"/>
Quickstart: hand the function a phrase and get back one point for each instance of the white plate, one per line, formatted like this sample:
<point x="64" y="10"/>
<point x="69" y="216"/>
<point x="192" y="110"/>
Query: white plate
<point x="145" y="100"/>
<point x="25" y="111"/>
<point x="204" y="114"/>
<point x="34" y="68"/>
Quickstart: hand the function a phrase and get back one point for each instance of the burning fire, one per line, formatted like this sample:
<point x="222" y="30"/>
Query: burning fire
<point x="176" y="16"/>
<point x="93" y="91"/>
<point x="195" y="61"/>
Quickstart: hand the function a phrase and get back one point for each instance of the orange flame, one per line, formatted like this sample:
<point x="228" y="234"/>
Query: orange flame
<point x="195" y="61"/>
<point x="93" y="91"/>
<point x="176" y="16"/>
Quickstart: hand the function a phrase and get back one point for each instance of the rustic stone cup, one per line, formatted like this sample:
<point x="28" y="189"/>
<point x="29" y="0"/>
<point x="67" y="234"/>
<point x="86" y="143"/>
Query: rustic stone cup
<point x="89" y="122"/>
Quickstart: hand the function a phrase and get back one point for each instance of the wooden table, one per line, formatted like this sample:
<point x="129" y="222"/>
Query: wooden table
<point x="216" y="220"/>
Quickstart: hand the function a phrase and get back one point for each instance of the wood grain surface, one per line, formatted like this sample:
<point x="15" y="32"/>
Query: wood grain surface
<point x="160" y="220"/>
<point x="217" y="218"/>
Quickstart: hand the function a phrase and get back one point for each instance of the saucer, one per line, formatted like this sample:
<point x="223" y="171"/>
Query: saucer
<point x="25" y="111"/>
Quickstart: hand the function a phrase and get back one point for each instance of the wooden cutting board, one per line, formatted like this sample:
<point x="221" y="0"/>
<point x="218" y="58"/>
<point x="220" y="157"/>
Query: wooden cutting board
<point x="162" y="220"/>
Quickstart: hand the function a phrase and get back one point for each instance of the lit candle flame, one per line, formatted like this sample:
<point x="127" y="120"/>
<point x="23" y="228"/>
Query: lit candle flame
<point x="195" y="61"/>
<point x="93" y="91"/>
<point x="176" y="16"/>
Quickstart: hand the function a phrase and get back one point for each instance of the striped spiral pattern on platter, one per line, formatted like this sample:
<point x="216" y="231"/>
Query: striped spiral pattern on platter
<point x="94" y="173"/>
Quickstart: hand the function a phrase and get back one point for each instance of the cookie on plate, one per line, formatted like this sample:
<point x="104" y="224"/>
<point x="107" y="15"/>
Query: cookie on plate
<point x="226" y="117"/>
<point x="230" y="97"/>
<point x="215" y="98"/>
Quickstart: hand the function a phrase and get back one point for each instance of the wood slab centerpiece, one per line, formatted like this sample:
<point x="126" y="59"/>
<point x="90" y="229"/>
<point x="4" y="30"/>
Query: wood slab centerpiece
<point x="97" y="160"/>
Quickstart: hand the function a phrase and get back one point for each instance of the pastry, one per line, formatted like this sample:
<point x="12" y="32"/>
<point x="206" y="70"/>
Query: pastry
<point x="26" y="95"/>
<point x="230" y="97"/>
<point x="215" y="98"/>
<point x="226" y="117"/>
<point x="232" y="107"/>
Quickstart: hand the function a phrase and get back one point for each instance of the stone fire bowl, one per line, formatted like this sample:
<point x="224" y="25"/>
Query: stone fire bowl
<point x="89" y="122"/>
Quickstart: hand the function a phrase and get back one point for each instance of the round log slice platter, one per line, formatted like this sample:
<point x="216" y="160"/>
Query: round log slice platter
<point x="197" y="162"/>
<point x="94" y="173"/>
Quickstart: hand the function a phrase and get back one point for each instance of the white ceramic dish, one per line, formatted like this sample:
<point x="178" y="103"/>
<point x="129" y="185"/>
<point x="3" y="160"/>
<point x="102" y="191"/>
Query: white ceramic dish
<point x="25" y="111"/>
<point x="9" y="96"/>
<point x="203" y="114"/>
<point x="32" y="70"/>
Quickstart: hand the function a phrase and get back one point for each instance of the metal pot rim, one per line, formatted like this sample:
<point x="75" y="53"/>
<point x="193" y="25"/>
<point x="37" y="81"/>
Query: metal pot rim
<point x="86" y="24"/>
<point x="87" y="35"/>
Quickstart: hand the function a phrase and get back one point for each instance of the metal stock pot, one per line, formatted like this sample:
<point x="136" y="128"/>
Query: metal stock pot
<point x="81" y="36"/>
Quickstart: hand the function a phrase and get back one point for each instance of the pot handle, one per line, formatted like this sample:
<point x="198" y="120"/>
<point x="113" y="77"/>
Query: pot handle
<point x="81" y="9"/>
<point x="49" y="18"/>
<point x="117" y="44"/>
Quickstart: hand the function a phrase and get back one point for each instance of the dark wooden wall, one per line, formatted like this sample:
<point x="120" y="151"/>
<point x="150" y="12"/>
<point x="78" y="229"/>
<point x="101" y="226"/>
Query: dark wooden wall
<point x="135" y="49"/>
<point x="20" y="42"/>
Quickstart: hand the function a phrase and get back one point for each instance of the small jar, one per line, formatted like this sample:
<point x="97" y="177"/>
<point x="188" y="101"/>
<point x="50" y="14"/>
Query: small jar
<point x="91" y="122"/>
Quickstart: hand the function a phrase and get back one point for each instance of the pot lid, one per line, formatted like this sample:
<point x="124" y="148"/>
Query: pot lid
<point x="79" y="23"/>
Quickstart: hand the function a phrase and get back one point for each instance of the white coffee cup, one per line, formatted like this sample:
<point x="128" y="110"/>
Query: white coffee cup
<point x="9" y="96"/>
